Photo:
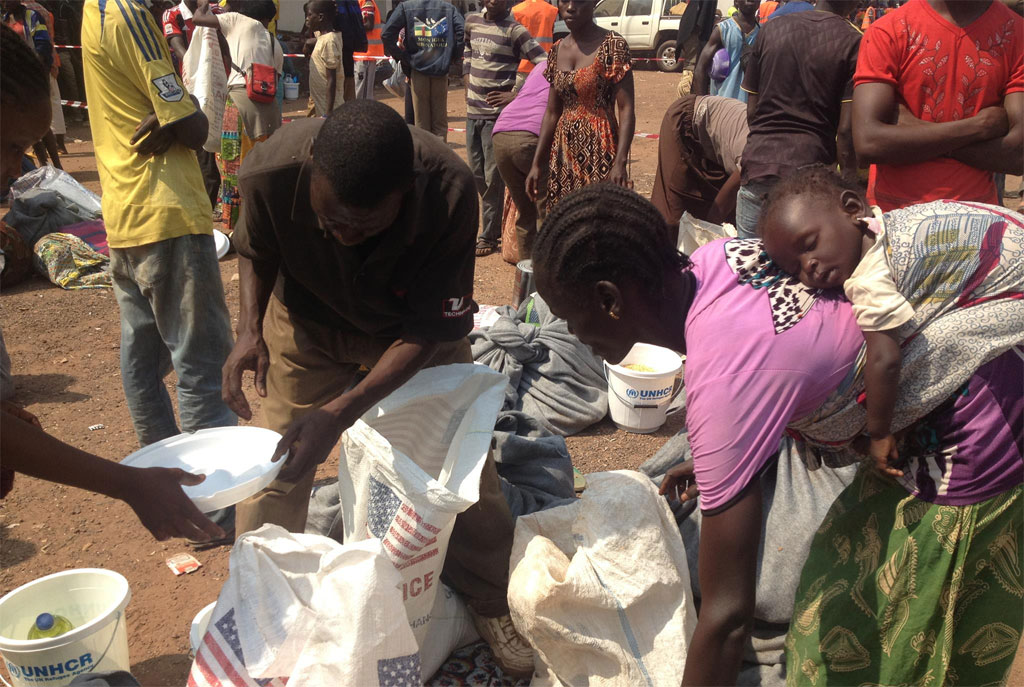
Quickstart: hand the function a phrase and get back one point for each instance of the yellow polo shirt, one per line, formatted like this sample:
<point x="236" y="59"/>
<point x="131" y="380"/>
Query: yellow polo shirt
<point x="128" y="75"/>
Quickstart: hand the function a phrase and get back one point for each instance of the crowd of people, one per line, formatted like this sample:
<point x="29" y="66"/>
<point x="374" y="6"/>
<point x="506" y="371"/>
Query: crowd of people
<point x="872" y="303"/>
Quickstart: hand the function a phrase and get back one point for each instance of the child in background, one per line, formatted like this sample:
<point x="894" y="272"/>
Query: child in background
<point x="900" y="271"/>
<point x="494" y="45"/>
<point x="326" y="90"/>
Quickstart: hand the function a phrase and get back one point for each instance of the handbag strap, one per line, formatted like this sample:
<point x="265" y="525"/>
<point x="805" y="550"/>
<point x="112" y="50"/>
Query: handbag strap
<point x="273" y="54"/>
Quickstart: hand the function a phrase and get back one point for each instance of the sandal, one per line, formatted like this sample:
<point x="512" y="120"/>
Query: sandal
<point x="484" y="248"/>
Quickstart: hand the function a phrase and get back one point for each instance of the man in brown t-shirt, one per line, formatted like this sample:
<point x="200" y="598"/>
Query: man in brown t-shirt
<point x="356" y="240"/>
<point x="799" y="81"/>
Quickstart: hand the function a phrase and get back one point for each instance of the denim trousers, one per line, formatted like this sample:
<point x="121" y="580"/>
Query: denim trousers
<point x="749" y="200"/>
<point x="480" y="150"/>
<point x="173" y="315"/>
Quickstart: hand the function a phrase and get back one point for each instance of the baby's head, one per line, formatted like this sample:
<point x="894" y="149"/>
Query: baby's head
<point x="812" y="228"/>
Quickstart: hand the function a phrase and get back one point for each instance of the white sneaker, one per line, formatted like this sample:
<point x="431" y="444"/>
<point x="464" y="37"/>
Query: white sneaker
<point x="511" y="652"/>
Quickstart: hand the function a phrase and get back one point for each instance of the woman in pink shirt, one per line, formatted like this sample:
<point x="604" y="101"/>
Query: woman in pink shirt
<point x="763" y="351"/>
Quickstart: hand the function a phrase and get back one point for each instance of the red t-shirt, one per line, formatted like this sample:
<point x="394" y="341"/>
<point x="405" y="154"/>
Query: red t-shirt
<point x="942" y="73"/>
<point x="175" y="24"/>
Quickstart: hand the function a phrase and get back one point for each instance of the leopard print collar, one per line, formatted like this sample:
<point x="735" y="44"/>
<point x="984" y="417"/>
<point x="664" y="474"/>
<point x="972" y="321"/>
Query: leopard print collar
<point x="790" y="300"/>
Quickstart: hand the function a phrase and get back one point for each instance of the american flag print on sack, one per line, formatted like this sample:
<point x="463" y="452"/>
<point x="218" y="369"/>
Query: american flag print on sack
<point x="403" y="671"/>
<point x="219" y="661"/>
<point x="407" y="538"/>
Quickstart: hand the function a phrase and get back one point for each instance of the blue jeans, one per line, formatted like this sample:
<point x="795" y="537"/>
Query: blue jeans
<point x="480" y="151"/>
<point x="173" y="314"/>
<point x="749" y="200"/>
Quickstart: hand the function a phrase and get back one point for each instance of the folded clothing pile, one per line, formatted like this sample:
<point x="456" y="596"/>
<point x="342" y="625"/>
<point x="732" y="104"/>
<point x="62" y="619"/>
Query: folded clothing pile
<point x="553" y="377"/>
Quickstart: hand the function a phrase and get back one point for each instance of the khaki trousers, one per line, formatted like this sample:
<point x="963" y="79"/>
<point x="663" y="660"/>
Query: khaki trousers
<point x="513" y="153"/>
<point x="311" y="364"/>
<point x="430" y="102"/>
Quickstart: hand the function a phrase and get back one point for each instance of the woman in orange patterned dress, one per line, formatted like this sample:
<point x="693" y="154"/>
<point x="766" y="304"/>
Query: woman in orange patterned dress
<point x="580" y="138"/>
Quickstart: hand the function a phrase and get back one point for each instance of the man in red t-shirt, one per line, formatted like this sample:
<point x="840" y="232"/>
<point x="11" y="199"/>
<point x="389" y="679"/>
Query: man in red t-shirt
<point x="178" y="28"/>
<point x="950" y="74"/>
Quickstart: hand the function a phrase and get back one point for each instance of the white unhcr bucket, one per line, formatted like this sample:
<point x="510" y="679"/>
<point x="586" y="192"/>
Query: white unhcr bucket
<point x="638" y="401"/>
<point x="93" y="600"/>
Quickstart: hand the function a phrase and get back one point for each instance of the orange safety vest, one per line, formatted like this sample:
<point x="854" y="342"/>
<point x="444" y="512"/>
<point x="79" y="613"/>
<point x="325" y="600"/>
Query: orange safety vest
<point x="765" y="10"/>
<point x="375" y="47"/>
<point x="870" y="14"/>
<point x="538" y="16"/>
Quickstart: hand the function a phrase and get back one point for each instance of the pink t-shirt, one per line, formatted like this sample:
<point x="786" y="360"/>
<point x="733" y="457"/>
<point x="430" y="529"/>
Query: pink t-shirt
<point x="744" y="382"/>
<point x="526" y="111"/>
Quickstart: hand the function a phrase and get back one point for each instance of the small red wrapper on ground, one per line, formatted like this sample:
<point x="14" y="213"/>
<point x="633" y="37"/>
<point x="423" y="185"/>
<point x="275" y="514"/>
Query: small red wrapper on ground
<point x="183" y="563"/>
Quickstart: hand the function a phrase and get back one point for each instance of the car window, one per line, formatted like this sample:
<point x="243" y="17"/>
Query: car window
<point x="671" y="5"/>
<point x="609" y="8"/>
<point x="639" y="8"/>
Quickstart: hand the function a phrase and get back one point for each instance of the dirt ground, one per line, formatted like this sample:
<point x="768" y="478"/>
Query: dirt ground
<point x="64" y="346"/>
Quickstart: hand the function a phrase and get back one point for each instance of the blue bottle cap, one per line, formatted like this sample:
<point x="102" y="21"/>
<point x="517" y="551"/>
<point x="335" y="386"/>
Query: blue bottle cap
<point x="44" y="621"/>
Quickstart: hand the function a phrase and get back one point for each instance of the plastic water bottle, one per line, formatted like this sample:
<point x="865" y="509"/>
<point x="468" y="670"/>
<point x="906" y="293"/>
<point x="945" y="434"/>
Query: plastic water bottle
<point x="49" y="626"/>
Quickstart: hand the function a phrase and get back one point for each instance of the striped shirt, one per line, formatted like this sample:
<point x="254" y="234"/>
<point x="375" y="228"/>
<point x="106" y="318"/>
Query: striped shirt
<point x="491" y="58"/>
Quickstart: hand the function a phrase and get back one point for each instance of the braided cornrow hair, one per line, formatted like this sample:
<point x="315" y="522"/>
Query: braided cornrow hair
<point x="23" y="78"/>
<point x="816" y="180"/>
<point x="606" y="232"/>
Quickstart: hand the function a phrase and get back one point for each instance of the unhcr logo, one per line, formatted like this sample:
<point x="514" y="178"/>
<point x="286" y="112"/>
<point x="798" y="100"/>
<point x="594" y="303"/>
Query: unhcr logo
<point x="53" y="672"/>
<point x="649" y="394"/>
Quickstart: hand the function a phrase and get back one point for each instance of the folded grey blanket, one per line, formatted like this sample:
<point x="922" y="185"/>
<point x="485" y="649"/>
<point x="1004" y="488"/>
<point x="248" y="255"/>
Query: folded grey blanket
<point x="533" y="464"/>
<point x="552" y="376"/>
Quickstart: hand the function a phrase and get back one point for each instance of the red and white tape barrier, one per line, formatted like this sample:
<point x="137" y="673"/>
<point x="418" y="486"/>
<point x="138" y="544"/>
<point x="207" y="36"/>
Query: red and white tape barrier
<point x="653" y="137"/>
<point x="286" y="120"/>
<point x="363" y="58"/>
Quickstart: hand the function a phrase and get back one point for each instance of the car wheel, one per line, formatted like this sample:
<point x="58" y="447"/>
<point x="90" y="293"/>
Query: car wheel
<point x="666" y="54"/>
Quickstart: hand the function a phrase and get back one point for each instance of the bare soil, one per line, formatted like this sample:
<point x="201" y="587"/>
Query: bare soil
<point x="65" y="351"/>
<point x="64" y="346"/>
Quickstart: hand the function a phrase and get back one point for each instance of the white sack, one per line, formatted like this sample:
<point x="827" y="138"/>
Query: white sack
<point x="304" y="609"/>
<point x="202" y="72"/>
<point x="694" y="233"/>
<point x="600" y="588"/>
<point x="407" y="469"/>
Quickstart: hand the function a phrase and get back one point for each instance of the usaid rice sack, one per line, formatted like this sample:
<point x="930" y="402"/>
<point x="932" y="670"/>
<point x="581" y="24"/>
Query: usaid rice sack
<point x="304" y="610"/>
<point x="408" y="468"/>
<point x="601" y="590"/>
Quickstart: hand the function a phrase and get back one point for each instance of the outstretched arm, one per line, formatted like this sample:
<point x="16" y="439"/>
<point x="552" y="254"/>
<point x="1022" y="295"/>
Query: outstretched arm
<point x="310" y="438"/>
<point x="846" y="155"/>
<point x="153" y="493"/>
<point x="204" y="16"/>
<point x="178" y="46"/>
<point x="881" y="386"/>
<point x="255" y="284"/>
<point x="729" y="543"/>
<point x="627" y="125"/>
<point x="880" y="141"/>
<point x="702" y="73"/>
<point x="725" y="201"/>
<point x="542" y="155"/>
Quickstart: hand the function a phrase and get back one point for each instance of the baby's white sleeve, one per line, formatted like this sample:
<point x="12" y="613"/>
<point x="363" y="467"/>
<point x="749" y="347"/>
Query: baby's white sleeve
<point x="877" y="303"/>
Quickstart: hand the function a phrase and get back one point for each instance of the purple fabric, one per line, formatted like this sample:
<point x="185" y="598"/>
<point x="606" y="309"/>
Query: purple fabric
<point x="969" y="450"/>
<point x="93" y="232"/>
<point x="526" y="111"/>
<point x="745" y="383"/>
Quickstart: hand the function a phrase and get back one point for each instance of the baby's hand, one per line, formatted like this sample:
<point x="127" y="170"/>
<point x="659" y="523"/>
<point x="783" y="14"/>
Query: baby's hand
<point x="885" y="454"/>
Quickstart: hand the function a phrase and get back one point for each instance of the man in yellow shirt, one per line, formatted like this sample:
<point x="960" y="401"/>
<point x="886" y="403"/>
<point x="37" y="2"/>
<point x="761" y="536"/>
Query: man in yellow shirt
<point x="145" y="127"/>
